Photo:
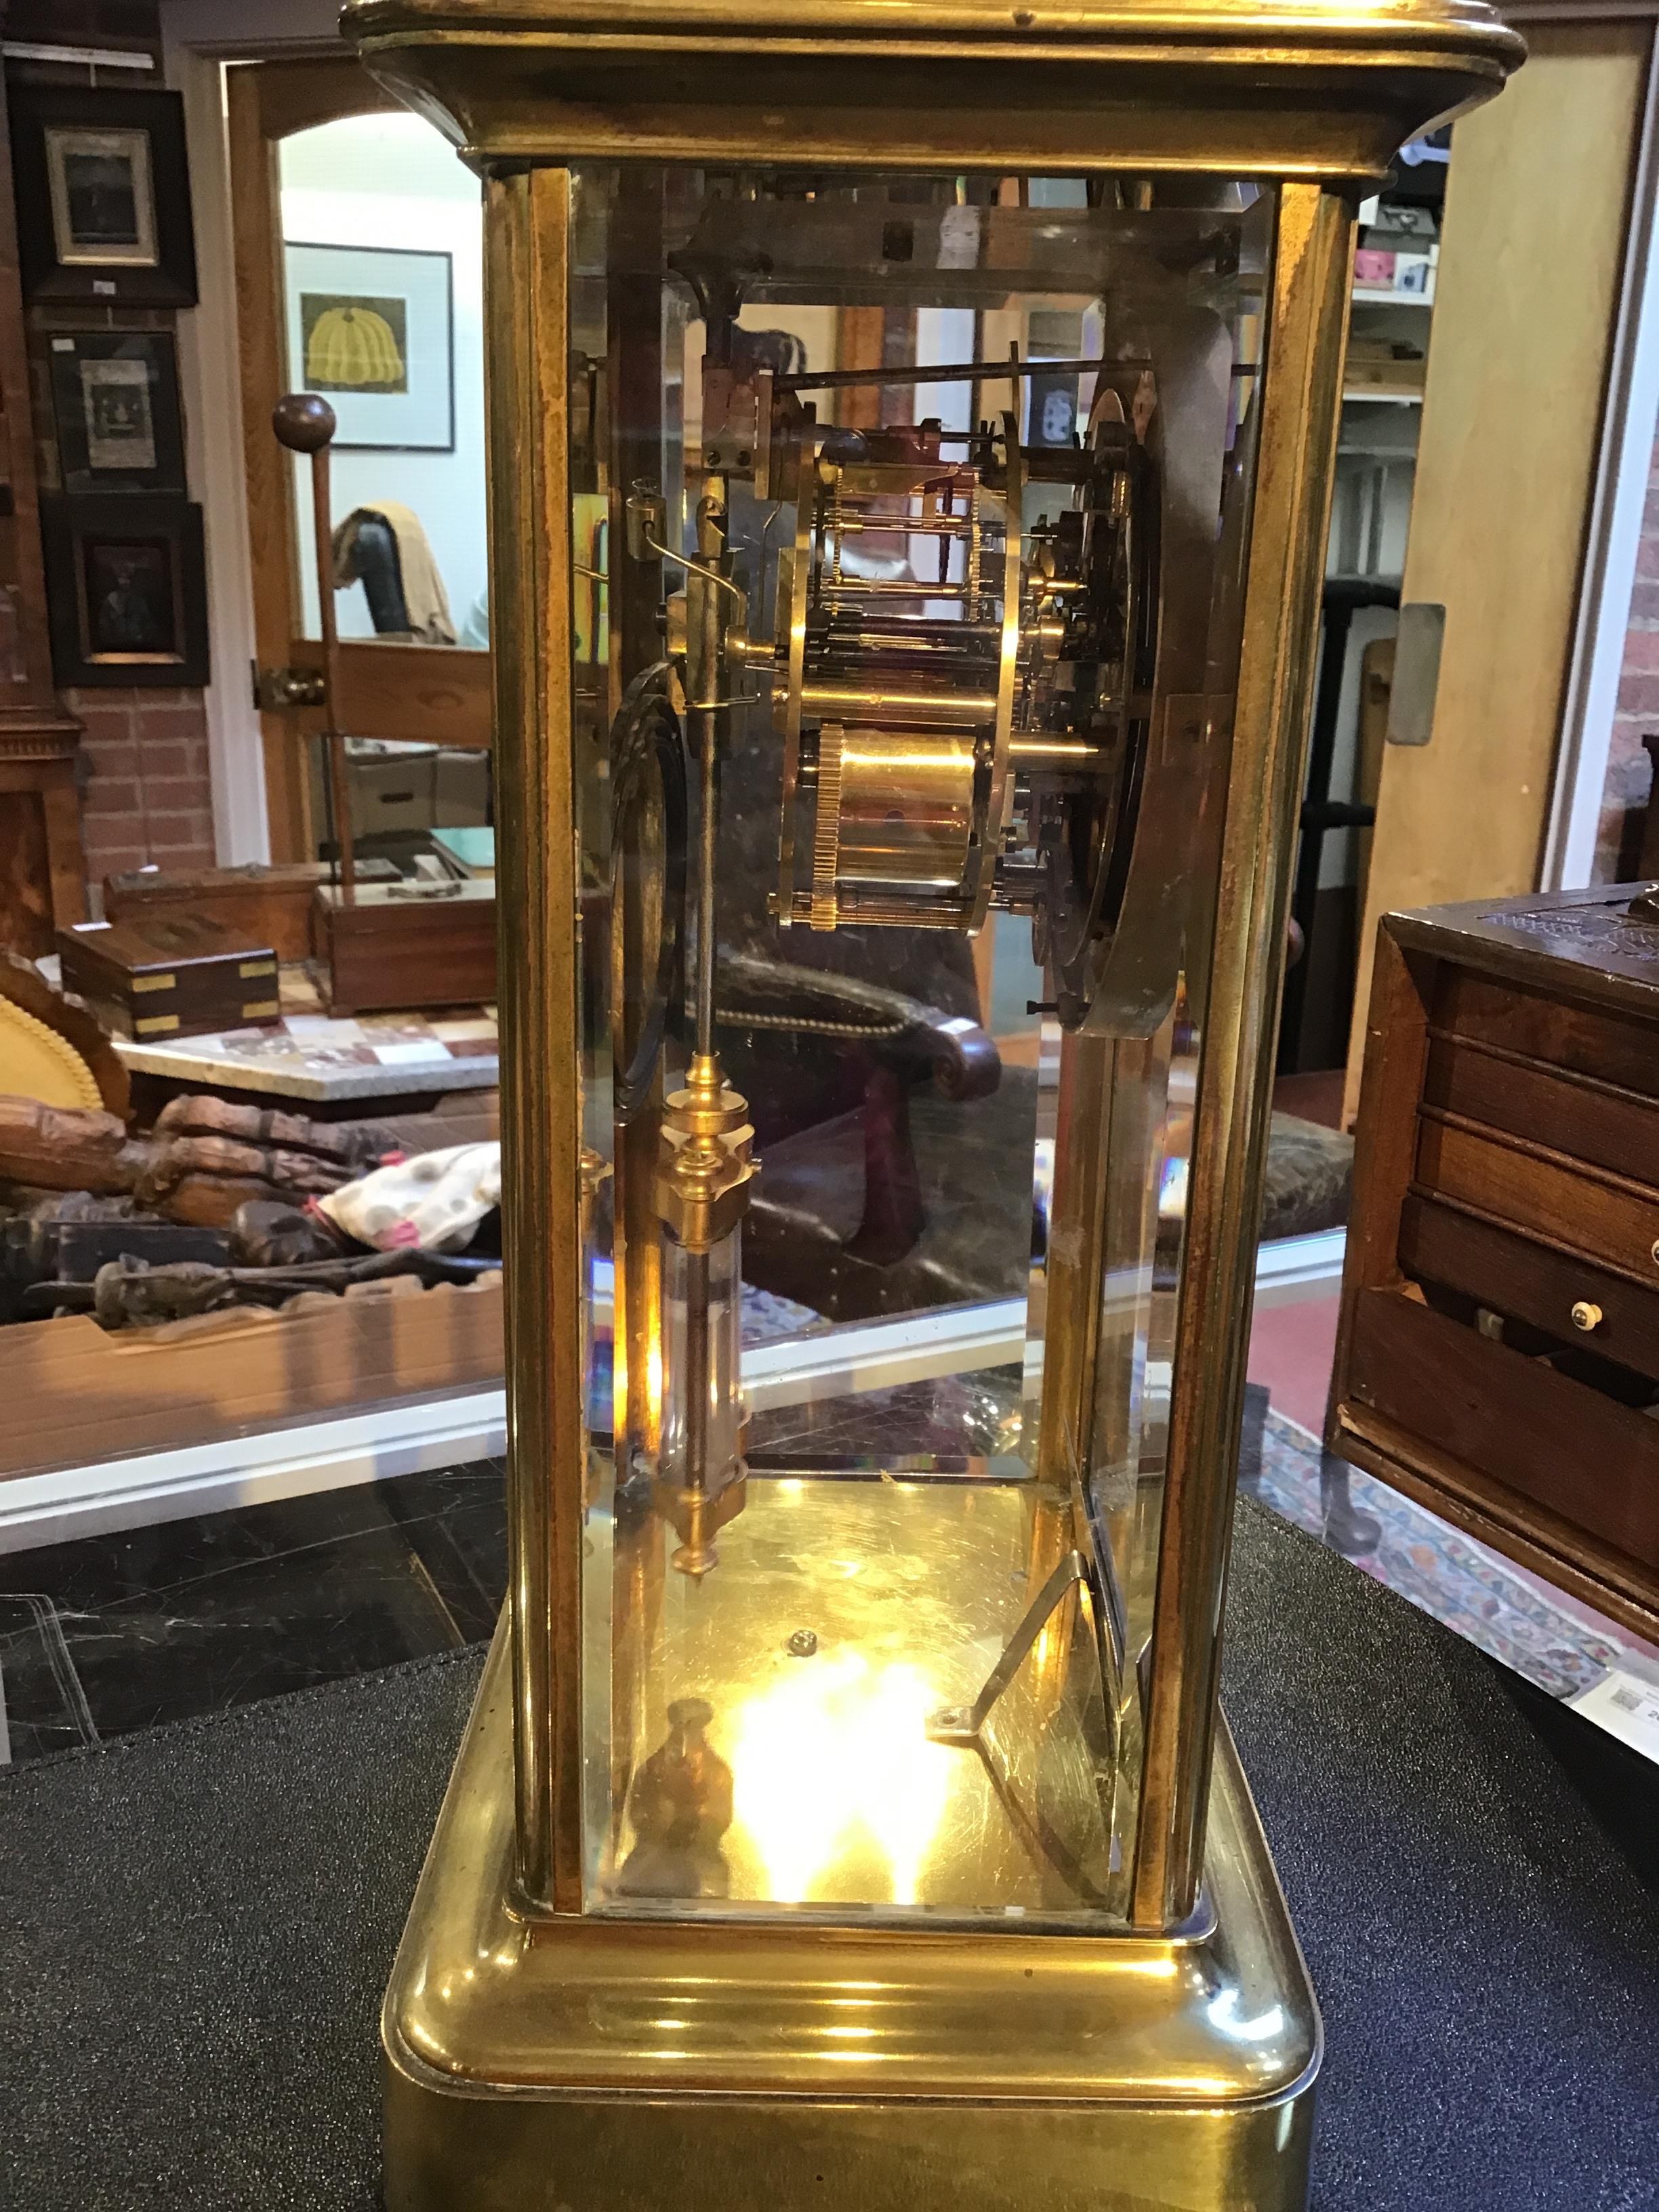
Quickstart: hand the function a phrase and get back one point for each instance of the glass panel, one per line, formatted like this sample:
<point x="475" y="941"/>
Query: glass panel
<point x="382" y="292"/>
<point x="908" y="521"/>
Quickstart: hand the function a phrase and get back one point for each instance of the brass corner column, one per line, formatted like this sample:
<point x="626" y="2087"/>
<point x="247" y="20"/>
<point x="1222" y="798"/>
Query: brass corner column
<point x="526" y="233"/>
<point x="1301" y="401"/>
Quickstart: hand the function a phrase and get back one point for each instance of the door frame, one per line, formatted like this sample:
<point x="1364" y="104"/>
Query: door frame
<point x="1613" y="539"/>
<point x="311" y="89"/>
<point x="199" y="38"/>
<point x="230" y="348"/>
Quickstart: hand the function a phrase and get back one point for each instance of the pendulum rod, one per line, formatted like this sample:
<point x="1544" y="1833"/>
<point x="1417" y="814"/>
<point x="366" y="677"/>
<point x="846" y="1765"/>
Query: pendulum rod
<point x="698" y="1349"/>
<point x="710" y="543"/>
<point x="705" y="1164"/>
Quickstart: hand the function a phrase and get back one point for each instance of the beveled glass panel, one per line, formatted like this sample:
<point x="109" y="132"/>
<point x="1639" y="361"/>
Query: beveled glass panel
<point x="908" y="518"/>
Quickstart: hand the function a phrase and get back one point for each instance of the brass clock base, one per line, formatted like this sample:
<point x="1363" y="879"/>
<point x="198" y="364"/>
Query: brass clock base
<point x="602" y="2064"/>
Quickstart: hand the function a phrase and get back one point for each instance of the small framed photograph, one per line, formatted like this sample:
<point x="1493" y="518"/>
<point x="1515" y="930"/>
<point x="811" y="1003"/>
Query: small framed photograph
<point x="115" y="395"/>
<point x="103" y="203"/>
<point x="126" y="585"/>
<point x="103" y="195"/>
<point x="371" y="328"/>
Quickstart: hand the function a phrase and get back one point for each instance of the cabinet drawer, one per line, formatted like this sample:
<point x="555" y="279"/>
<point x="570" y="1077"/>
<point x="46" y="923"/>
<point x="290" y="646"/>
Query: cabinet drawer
<point x="1491" y="1011"/>
<point x="1511" y="1420"/>
<point x="1614" y="1222"/>
<point x="1587" y="1120"/>
<point x="1529" y="1282"/>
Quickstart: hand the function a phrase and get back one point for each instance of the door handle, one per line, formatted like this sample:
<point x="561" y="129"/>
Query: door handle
<point x="275" y="688"/>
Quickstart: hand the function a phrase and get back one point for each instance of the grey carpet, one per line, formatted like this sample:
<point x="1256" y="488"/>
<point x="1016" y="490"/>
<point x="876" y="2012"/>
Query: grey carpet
<point x="195" y="1925"/>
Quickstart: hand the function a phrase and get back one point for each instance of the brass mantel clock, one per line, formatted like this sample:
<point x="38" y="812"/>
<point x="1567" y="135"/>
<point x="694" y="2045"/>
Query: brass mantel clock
<point x="911" y="426"/>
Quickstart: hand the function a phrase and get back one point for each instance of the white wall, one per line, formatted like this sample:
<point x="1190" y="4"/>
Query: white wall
<point x="391" y="180"/>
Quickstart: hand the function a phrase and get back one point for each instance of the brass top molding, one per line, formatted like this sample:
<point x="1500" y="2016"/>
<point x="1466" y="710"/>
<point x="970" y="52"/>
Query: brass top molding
<point x="1324" y="90"/>
<point x="1256" y="27"/>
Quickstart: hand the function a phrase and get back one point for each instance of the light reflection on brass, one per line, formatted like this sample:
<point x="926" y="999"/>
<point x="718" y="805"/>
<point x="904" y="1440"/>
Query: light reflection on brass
<point x="832" y="1749"/>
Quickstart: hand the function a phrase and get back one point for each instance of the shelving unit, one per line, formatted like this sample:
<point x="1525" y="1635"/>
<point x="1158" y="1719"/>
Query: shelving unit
<point x="1381" y="409"/>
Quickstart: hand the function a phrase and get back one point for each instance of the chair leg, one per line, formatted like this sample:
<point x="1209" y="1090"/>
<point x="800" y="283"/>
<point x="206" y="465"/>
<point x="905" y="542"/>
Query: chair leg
<point x="893" y="1214"/>
<point x="1347" y="1531"/>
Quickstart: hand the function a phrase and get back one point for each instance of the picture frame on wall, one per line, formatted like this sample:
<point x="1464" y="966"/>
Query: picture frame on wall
<point x="115" y="401"/>
<point x="127" y="589"/>
<point x="371" y="328"/>
<point x="102" y="187"/>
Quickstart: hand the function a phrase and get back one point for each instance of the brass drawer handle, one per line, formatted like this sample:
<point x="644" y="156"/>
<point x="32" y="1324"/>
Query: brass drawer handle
<point x="1586" y="1316"/>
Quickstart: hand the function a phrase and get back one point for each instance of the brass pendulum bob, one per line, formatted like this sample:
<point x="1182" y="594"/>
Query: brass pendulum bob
<point x="705" y="1168"/>
<point x="681" y="1807"/>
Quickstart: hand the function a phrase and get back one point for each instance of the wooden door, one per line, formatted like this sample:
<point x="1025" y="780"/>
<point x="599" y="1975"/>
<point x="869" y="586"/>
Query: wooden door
<point x="429" y="693"/>
<point x="1531" y="264"/>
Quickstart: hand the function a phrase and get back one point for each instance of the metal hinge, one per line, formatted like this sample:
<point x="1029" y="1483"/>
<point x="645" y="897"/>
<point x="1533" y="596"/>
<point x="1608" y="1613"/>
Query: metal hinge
<point x="1416" y="649"/>
<point x="275" y="688"/>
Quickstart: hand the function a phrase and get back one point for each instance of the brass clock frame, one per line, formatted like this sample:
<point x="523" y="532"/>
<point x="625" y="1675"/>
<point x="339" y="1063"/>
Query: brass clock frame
<point x="1170" y="2065"/>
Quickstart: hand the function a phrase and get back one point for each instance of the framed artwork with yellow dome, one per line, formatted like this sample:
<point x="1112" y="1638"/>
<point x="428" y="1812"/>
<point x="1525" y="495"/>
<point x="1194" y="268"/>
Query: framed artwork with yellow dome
<point x="372" y="328"/>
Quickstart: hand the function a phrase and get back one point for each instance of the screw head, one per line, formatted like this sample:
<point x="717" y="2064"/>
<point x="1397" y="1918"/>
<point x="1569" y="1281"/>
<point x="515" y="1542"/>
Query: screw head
<point x="802" y="1644"/>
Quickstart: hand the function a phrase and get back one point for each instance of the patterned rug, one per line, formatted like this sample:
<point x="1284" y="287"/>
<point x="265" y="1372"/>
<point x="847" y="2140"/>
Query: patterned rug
<point x="1501" y="1610"/>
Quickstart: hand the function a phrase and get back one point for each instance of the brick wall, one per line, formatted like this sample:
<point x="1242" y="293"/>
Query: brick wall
<point x="147" y="795"/>
<point x="147" y="792"/>
<point x="1625" y="795"/>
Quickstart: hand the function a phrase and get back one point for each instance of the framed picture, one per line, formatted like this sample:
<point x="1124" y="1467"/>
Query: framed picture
<point x="103" y="195"/>
<point x="371" y="328"/>
<point x="126" y="585"/>
<point x="115" y="395"/>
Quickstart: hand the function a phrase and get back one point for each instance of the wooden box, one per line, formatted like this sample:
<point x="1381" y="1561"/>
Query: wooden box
<point x="388" y="952"/>
<point x="1498" y="1352"/>
<point x="261" y="905"/>
<point x="169" y="975"/>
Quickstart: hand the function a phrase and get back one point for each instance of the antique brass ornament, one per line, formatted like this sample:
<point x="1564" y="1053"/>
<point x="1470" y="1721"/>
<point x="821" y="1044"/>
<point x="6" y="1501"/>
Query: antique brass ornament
<point x="845" y="1814"/>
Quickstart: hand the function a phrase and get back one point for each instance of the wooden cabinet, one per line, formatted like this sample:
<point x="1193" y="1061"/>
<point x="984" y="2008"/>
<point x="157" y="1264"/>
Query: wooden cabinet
<point x="1498" y="1352"/>
<point x="42" y="869"/>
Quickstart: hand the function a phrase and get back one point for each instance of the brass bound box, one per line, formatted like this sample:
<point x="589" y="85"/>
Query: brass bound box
<point x="911" y="432"/>
<point x="169" y="975"/>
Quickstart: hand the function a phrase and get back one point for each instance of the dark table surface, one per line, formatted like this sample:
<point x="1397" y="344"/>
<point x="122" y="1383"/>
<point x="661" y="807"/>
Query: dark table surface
<point x="196" y="1923"/>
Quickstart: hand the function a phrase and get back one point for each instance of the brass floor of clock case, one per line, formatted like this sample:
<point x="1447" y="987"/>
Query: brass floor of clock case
<point x="842" y="1615"/>
<point x="595" y="2064"/>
